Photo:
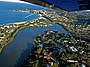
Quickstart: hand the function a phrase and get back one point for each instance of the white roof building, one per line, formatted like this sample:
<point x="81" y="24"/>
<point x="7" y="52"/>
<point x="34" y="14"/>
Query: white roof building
<point x="73" y="49"/>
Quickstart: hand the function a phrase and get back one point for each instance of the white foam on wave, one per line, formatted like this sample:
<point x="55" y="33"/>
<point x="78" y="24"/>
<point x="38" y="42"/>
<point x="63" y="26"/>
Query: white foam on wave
<point x="16" y="1"/>
<point x="23" y="2"/>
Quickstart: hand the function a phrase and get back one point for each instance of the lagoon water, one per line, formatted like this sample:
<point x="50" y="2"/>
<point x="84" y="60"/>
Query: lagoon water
<point x="16" y="52"/>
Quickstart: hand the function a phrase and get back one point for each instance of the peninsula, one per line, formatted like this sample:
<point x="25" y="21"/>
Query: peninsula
<point x="55" y="49"/>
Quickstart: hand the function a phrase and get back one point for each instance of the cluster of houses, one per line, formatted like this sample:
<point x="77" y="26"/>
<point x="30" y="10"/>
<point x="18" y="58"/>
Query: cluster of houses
<point x="39" y="22"/>
<point x="7" y="31"/>
<point x="54" y="15"/>
<point x="55" y="49"/>
<point x="18" y="10"/>
<point x="68" y="20"/>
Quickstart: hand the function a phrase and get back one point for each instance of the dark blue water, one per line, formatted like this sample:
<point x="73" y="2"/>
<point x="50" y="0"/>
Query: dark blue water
<point x="7" y="15"/>
<point x="18" y="50"/>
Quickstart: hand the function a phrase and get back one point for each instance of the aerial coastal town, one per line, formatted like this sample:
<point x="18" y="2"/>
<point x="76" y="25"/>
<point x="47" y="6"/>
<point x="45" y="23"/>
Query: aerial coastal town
<point x="44" y="33"/>
<point x="55" y="49"/>
<point x="70" y="50"/>
<point x="52" y="48"/>
<point x="8" y="32"/>
<point x="69" y="20"/>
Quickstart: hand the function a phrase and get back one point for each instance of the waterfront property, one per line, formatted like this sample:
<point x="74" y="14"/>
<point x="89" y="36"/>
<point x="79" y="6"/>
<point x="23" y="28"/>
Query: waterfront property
<point x="71" y="21"/>
<point x="21" y="47"/>
<point x="9" y="31"/>
<point x="55" y="49"/>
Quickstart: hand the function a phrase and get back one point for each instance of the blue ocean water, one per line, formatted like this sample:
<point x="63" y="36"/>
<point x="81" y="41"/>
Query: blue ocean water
<point x="7" y="15"/>
<point x="11" y="17"/>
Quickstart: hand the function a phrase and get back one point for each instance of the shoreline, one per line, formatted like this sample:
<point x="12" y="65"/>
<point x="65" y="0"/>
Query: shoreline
<point x="73" y="34"/>
<point x="43" y="48"/>
<point x="22" y="25"/>
<point x="10" y="40"/>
